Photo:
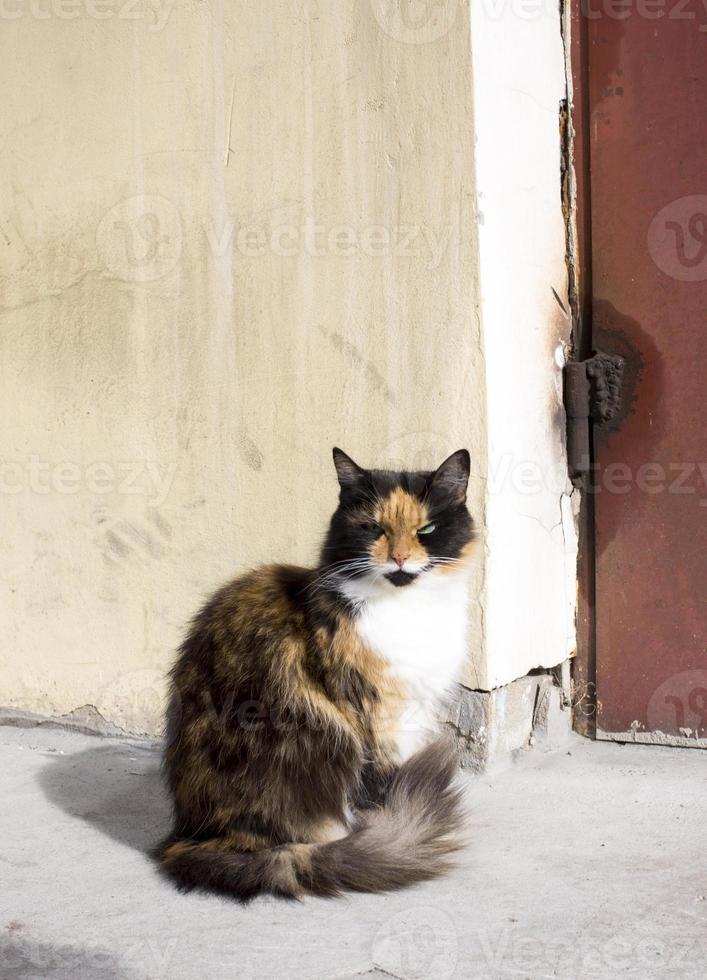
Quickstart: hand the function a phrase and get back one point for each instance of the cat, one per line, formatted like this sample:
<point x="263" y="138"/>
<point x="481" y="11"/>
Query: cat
<point x="302" y="749"/>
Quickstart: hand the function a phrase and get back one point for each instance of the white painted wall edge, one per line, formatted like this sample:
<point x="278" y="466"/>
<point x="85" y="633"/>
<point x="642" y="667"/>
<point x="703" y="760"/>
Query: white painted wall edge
<point x="519" y="83"/>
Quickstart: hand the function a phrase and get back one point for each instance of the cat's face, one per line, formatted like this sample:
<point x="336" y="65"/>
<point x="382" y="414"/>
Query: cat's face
<point x="393" y="527"/>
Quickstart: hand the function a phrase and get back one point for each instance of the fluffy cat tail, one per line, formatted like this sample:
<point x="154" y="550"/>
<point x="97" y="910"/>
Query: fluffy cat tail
<point x="409" y="839"/>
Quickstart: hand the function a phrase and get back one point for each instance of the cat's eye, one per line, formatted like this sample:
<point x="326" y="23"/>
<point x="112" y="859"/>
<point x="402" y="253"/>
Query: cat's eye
<point x="427" y="529"/>
<point x="374" y="528"/>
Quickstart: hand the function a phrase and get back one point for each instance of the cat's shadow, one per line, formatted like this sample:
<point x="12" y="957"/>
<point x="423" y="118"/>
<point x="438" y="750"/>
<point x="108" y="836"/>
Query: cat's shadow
<point x="116" y="787"/>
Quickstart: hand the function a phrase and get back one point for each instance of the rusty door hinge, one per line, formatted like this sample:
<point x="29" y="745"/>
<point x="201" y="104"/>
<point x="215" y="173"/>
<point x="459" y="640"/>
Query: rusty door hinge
<point x="592" y="391"/>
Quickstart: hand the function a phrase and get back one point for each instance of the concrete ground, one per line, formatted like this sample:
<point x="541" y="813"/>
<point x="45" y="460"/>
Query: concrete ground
<point x="590" y="863"/>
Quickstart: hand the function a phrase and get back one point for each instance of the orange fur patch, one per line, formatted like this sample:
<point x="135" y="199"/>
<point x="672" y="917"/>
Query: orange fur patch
<point x="401" y="516"/>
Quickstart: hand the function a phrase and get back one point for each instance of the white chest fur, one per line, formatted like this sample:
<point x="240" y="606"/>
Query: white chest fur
<point x="420" y="630"/>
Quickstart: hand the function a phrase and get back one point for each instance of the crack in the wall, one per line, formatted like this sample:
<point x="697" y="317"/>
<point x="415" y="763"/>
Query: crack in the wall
<point x="85" y="719"/>
<point x="568" y="184"/>
<point x="568" y="193"/>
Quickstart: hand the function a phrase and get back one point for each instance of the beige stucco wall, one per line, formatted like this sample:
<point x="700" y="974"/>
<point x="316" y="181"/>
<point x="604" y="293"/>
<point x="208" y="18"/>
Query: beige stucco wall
<point x="234" y="234"/>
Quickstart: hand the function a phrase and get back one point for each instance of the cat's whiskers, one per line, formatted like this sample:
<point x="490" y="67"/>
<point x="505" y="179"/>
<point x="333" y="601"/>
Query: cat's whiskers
<point x="333" y="574"/>
<point x="331" y="569"/>
<point x="447" y="561"/>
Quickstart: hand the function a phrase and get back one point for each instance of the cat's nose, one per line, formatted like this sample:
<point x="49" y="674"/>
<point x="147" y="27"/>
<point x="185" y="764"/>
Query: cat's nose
<point x="400" y="557"/>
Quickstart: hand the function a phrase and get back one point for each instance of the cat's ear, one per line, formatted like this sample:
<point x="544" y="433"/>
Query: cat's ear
<point x="349" y="473"/>
<point x="451" y="478"/>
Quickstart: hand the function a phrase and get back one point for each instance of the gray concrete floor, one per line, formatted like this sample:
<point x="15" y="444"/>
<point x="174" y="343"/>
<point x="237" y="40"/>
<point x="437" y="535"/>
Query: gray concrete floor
<point x="589" y="863"/>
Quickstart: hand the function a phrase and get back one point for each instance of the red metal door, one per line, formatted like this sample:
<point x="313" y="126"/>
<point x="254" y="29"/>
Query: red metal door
<point x="647" y="133"/>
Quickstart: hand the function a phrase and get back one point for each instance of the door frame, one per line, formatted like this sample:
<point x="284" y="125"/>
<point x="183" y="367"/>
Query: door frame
<point x="577" y="195"/>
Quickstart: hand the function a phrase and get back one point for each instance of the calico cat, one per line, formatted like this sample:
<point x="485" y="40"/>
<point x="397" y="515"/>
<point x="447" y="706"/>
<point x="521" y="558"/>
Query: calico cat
<point x="301" y="753"/>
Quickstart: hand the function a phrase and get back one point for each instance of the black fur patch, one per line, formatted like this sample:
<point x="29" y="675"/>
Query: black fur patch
<point x="401" y="578"/>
